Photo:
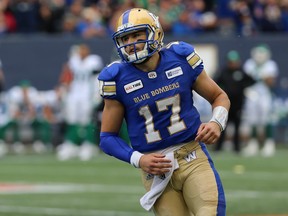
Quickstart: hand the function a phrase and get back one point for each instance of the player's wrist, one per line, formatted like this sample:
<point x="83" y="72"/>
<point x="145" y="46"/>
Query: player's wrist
<point x="135" y="159"/>
<point x="220" y="116"/>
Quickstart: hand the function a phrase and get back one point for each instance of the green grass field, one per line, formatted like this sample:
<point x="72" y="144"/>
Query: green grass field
<point x="38" y="185"/>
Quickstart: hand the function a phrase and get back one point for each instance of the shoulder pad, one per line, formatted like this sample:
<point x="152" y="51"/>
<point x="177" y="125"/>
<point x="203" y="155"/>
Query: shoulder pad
<point x="188" y="51"/>
<point x="181" y="48"/>
<point x="110" y="72"/>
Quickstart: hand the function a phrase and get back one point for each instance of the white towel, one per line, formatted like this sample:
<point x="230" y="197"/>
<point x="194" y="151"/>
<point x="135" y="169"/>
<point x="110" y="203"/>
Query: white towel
<point x="158" y="185"/>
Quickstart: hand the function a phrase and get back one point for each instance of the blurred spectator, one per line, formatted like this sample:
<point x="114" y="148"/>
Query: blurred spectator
<point x="284" y="8"/>
<point x="94" y="18"/>
<point x="243" y="17"/>
<point x="91" y="25"/>
<point x="257" y="124"/>
<point x="72" y="16"/>
<point x="26" y="13"/>
<point x="51" y="15"/>
<point x="169" y="12"/>
<point x="194" y="19"/>
<point x="233" y="80"/>
<point x="271" y="20"/>
<point x="7" y="19"/>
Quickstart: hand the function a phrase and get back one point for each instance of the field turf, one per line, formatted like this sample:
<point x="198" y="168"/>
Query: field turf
<point x="39" y="185"/>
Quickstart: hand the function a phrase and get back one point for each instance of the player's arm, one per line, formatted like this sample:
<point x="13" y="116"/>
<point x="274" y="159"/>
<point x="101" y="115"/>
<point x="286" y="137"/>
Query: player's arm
<point x="210" y="132"/>
<point x="113" y="145"/>
<point x="110" y="142"/>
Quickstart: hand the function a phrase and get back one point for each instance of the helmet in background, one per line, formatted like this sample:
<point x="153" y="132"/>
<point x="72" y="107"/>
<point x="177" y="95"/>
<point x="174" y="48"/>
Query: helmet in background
<point x="261" y="54"/>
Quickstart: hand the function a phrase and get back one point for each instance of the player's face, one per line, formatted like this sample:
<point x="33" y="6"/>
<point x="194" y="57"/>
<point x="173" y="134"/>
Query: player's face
<point x="132" y="38"/>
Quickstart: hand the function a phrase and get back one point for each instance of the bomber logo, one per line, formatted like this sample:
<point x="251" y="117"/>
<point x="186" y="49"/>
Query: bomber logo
<point x="174" y="72"/>
<point x="133" y="86"/>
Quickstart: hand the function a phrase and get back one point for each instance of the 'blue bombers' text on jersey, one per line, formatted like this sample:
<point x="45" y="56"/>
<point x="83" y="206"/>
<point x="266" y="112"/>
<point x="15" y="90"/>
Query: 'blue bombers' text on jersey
<point x="159" y="109"/>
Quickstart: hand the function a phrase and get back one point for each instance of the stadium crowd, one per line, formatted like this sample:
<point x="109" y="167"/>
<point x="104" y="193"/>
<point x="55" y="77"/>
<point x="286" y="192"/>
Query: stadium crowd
<point x="90" y="18"/>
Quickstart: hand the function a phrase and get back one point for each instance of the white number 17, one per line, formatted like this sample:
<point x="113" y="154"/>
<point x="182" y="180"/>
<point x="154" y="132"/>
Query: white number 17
<point x="176" y="124"/>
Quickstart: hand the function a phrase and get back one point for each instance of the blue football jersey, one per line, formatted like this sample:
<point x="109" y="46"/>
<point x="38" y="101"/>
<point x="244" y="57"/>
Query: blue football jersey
<point x="159" y="109"/>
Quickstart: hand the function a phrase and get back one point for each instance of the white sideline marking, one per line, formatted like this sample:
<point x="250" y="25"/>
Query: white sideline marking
<point x="255" y="194"/>
<point x="64" y="212"/>
<point x="263" y="176"/>
<point x="28" y="188"/>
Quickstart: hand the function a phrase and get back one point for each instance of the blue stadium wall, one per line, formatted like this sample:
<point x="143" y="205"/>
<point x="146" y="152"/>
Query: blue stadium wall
<point x="39" y="58"/>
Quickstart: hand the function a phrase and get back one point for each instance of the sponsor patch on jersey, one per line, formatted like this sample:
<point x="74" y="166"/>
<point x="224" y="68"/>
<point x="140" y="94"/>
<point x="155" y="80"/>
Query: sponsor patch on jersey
<point x="174" y="72"/>
<point x="152" y="75"/>
<point x="133" y="86"/>
<point x="194" y="60"/>
<point x="107" y="88"/>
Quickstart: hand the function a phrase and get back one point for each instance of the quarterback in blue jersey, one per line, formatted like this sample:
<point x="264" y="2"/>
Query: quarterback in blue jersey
<point x="152" y="89"/>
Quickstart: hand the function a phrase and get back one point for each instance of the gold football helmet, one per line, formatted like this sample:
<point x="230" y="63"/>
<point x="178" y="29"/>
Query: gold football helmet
<point x="134" y="20"/>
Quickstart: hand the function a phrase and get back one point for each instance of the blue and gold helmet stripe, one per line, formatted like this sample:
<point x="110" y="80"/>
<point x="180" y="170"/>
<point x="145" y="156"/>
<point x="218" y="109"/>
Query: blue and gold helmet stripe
<point x="125" y="18"/>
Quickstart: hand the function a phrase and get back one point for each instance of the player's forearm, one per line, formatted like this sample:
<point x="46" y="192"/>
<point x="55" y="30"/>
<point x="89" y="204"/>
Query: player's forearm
<point x="113" y="145"/>
<point x="221" y="100"/>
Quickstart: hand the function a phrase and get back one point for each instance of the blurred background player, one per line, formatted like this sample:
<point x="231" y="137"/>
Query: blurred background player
<point x="81" y="100"/>
<point x="2" y="78"/>
<point x="3" y="114"/>
<point x="257" y="128"/>
<point x="233" y="80"/>
<point x="22" y="107"/>
<point x="4" y="123"/>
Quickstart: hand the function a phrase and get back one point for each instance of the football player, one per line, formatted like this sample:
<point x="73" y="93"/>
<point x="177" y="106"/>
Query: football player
<point x="257" y="123"/>
<point x="152" y="89"/>
<point x="80" y="101"/>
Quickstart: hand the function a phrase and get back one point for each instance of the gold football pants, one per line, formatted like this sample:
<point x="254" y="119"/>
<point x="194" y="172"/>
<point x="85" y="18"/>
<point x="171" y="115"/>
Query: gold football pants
<point x="195" y="188"/>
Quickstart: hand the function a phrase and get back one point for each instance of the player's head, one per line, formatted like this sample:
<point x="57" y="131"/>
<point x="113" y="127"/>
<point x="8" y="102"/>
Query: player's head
<point x="146" y="31"/>
<point x="261" y="54"/>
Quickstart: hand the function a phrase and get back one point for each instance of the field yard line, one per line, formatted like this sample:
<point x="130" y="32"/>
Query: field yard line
<point x="256" y="175"/>
<point x="255" y="194"/>
<point x="29" y="188"/>
<point x="64" y="211"/>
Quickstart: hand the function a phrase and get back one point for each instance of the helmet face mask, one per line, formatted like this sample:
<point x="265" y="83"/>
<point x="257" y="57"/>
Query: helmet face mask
<point x="132" y="21"/>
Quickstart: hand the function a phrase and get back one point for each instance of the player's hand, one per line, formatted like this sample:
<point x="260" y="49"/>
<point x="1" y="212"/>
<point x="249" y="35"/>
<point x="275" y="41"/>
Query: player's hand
<point x="208" y="133"/>
<point x="155" y="164"/>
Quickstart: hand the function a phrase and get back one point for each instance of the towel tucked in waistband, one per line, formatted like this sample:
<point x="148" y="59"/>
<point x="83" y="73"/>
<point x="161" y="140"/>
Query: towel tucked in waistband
<point x="158" y="185"/>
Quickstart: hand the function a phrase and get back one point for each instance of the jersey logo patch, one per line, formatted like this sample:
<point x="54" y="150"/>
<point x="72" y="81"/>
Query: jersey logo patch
<point x="174" y="72"/>
<point x="152" y="75"/>
<point x="133" y="86"/>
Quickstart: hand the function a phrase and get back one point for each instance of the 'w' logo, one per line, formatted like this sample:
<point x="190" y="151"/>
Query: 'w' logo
<point x="191" y="156"/>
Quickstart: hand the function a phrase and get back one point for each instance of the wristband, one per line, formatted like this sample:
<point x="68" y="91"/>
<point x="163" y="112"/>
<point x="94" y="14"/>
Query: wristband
<point x="220" y="116"/>
<point x="135" y="158"/>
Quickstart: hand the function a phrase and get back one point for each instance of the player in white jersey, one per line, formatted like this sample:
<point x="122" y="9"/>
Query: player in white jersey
<point x="4" y="122"/>
<point x="22" y="106"/>
<point x="82" y="98"/>
<point x="256" y="125"/>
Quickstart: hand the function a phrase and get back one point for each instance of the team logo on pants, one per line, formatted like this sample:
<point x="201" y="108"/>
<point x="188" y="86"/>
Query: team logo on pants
<point x="191" y="156"/>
